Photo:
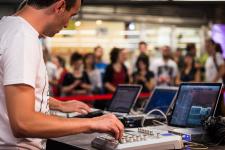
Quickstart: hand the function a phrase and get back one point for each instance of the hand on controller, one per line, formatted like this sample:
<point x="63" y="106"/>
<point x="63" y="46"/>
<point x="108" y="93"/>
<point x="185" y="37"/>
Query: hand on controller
<point x="108" y="124"/>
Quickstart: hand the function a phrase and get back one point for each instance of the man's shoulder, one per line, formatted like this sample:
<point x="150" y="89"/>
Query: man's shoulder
<point x="15" y="26"/>
<point x="172" y="62"/>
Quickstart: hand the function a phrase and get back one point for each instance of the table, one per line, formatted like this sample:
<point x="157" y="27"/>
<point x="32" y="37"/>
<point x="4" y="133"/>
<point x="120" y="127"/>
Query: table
<point x="83" y="142"/>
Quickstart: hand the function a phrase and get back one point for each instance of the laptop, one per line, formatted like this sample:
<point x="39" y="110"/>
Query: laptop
<point x="193" y="103"/>
<point x="124" y="98"/>
<point x="161" y="99"/>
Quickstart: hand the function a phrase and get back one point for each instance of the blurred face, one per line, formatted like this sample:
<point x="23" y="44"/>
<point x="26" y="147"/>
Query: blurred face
<point x="99" y="52"/>
<point x="125" y="53"/>
<point x="60" y="17"/>
<point x="188" y="60"/>
<point x="143" y="48"/>
<point x="166" y="52"/>
<point x="77" y="65"/>
<point x="89" y="60"/>
<point x="210" y="47"/>
<point x="141" y="65"/>
<point x="122" y="57"/>
<point x="55" y="61"/>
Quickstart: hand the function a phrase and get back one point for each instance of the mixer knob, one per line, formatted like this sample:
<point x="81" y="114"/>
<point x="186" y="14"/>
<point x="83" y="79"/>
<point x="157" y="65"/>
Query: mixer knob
<point x="145" y="137"/>
<point x="129" y="139"/>
<point x="123" y="140"/>
<point x="157" y="135"/>
<point x="138" y="138"/>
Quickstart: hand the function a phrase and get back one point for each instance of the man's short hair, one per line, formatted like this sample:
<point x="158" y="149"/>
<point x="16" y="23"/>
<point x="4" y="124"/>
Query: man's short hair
<point x="142" y="43"/>
<point x="45" y="3"/>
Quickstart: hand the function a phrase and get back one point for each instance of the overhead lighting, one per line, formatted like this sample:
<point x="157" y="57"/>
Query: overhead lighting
<point x="161" y="20"/>
<point x="99" y="22"/>
<point x="131" y="26"/>
<point x="77" y="23"/>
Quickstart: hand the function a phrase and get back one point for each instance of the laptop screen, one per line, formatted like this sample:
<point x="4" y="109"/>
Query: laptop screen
<point x="161" y="99"/>
<point x="124" y="98"/>
<point x="195" y="102"/>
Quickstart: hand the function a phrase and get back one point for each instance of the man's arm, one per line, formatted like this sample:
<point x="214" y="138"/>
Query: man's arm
<point x="68" y="106"/>
<point x="25" y="122"/>
<point x="220" y="74"/>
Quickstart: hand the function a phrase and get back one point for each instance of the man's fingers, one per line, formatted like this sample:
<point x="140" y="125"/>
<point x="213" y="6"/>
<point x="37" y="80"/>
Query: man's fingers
<point x="85" y="107"/>
<point x="119" y="126"/>
<point x="115" y="131"/>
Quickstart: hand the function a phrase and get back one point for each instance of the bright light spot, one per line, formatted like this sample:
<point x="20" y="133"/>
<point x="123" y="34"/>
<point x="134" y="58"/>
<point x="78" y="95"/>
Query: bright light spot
<point x="131" y="26"/>
<point x="99" y="22"/>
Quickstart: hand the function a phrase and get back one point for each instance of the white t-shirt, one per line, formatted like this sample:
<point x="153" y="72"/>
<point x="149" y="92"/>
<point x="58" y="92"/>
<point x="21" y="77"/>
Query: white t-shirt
<point x="210" y="67"/>
<point x="21" y="62"/>
<point x="95" y="78"/>
<point x="163" y="69"/>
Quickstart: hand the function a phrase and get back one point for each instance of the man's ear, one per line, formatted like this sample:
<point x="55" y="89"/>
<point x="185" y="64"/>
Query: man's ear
<point x="60" y="7"/>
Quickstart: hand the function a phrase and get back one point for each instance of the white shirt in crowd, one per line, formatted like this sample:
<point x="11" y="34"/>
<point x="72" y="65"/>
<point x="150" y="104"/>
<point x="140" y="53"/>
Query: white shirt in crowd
<point x="95" y="78"/>
<point x="21" y="62"/>
<point x="210" y="67"/>
<point x="163" y="69"/>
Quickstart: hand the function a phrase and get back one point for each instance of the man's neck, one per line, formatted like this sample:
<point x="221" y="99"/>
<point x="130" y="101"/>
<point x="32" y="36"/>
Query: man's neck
<point x="33" y="17"/>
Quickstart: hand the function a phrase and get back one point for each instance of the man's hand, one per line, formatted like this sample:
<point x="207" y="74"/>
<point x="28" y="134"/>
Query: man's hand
<point x="107" y="124"/>
<point x="75" y="106"/>
<point x="69" y="106"/>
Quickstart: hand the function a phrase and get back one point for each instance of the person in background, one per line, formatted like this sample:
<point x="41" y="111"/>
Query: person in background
<point x="189" y="73"/>
<point x="179" y="58"/>
<point x="191" y="49"/>
<point x="77" y="82"/>
<point x="99" y="63"/>
<point x="93" y="73"/>
<point x="143" y="75"/>
<point x="214" y="67"/>
<point x="116" y="72"/>
<point x="60" y="74"/>
<point x="142" y="50"/>
<point x="165" y="69"/>
<point x="51" y="70"/>
<point x="127" y="64"/>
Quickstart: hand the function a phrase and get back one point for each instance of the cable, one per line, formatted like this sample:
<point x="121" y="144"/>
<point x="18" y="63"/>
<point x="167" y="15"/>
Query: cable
<point x="193" y="146"/>
<point x="150" y="112"/>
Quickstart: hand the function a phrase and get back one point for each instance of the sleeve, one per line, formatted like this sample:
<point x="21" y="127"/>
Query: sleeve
<point x="85" y="78"/>
<point x="68" y="79"/>
<point x="127" y="80"/>
<point x="219" y="59"/>
<point x="175" y="72"/>
<point x="99" y="80"/>
<point x="21" y="60"/>
<point x="150" y="75"/>
<point x="108" y="74"/>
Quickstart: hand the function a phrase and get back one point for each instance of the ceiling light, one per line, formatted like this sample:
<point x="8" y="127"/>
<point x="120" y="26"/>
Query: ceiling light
<point x="77" y="23"/>
<point x="99" y="22"/>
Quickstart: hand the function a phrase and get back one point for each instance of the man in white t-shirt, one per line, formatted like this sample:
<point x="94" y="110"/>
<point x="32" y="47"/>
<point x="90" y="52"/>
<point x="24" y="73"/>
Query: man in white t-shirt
<point x="214" y="66"/>
<point x="24" y="101"/>
<point x="165" y="69"/>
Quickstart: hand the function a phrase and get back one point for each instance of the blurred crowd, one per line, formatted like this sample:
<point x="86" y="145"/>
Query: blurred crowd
<point x="91" y="75"/>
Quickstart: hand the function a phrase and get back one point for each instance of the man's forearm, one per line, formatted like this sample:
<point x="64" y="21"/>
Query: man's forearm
<point x="55" y="104"/>
<point x="43" y="126"/>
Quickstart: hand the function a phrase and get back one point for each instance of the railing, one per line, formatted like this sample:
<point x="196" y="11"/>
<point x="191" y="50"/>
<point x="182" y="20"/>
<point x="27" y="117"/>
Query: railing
<point x="89" y="98"/>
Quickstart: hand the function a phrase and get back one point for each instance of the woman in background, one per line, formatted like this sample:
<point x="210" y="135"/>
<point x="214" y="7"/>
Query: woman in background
<point x="60" y="74"/>
<point x="116" y="72"/>
<point x="77" y="82"/>
<point x="189" y="73"/>
<point x="93" y="74"/>
<point x="143" y="75"/>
